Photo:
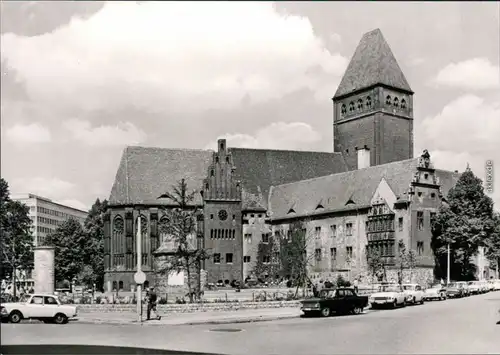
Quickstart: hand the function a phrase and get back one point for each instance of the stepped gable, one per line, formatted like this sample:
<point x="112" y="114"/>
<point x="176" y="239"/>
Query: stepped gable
<point x="357" y="185"/>
<point x="259" y="169"/>
<point x="146" y="173"/>
<point x="372" y="63"/>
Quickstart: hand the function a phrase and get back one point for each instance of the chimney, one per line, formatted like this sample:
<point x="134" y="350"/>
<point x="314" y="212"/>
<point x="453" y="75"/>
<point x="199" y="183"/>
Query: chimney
<point x="363" y="157"/>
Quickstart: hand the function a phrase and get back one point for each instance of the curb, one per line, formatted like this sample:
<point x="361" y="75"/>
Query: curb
<point x="208" y="322"/>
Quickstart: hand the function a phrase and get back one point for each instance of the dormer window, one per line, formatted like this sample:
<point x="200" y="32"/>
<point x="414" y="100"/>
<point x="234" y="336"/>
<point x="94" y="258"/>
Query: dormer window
<point x="388" y="100"/>
<point x="344" y="109"/>
<point x="368" y="101"/>
<point x="360" y="105"/>
<point x="403" y="103"/>
<point x="396" y="102"/>
<point x="351" y="106"/>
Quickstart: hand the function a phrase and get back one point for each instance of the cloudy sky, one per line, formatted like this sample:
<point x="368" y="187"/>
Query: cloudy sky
<point x="82" y="80"/>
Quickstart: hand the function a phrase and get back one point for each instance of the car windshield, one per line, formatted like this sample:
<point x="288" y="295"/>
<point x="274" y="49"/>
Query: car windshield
<point x="409" y="287"/>
<point x="327" y="294"/>
<point x="453" y="285"/>
<point x="389" y="288"/>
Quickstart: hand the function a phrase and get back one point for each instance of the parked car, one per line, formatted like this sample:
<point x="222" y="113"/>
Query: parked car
<point x="491" y="285"/>
<point x="474" y="287"/>
<point x="391" y="295"/>
<point x="414" y="293"/>
<point x="485" y="287"/>
<point x="465" y="287"/>
<point x="44" y="307"/>
<point x="455" y="290"/>
<point x="436" y="292"/>
<point x="340" y="300"/>
<point x="496" y="285"/>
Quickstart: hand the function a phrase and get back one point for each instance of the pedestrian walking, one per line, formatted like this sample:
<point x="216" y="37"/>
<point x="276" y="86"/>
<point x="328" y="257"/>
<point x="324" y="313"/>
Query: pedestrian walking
<point x="152" y="300"/>
<point x="356" y="285"/>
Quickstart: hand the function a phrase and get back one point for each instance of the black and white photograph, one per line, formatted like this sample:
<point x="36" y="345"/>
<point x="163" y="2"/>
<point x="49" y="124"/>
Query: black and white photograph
<point x="250" y="177"/>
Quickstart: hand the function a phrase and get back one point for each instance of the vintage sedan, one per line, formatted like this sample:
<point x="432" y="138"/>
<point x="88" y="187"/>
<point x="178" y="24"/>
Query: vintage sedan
<point x="474" y="287"/>
<point x="414" y="293"/>
<point x="388" y="295"/>
<point x="464" y="286"/>
<point x="455" y="290"/>
<point x="44" y="307"/>
<point x="437" y="292"/>
<point x="339" y="301"/>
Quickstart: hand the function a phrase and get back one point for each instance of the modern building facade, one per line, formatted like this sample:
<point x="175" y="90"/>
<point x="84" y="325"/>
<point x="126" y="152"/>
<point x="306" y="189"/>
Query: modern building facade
<point x="47" y="215"/>
<point x="368" y="194"/>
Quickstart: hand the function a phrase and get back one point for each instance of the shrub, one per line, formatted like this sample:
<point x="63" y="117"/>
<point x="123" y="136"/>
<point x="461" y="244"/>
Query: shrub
<point x="341" y="282"/>
<point x="162" y="300"/>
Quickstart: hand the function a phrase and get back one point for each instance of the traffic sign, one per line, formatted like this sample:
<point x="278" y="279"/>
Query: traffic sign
<point x="139" y="277"/>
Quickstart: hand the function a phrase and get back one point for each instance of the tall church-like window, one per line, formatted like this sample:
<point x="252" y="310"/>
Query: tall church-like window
<point x="403" y="103"/>
<point x="396" y="102"/>
<point x="368" y="101"/>
<point x="388" y="100"/>
<point x="343" y="109"/>
<point x="351" y="106"/>
<point x="360" y="105"/>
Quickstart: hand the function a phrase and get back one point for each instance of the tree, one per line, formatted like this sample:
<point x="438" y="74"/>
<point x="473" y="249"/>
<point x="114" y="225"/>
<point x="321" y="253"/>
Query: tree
<point x="17" y="239"/>
<point x="405" y="259"/>
<point x="93" y="272"/>
<point x="465" y="222"/>
<point x="295" y="254"/>
<point x="376" y="264"/>
<point x="268" y="262"/>
<point x="182" y="229"/>
<point x="493" y="244"/>
<point x="70" y="242"/>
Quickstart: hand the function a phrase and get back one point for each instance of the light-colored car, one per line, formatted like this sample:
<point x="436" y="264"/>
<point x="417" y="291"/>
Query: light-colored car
<point x="414" y="293"/>
<point x="44" y="307"/>
<point x="485" y="287"/>
<point x="437" y="292"/>
<point x="474" y="287"/>
<point x="391" y="295"/>
<point x="496" y="285"/>
<point x="455" y="290"/>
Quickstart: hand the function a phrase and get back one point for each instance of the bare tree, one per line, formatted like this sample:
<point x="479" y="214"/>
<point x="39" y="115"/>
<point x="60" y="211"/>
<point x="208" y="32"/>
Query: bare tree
<point x="375" y="262"/>
<point x="405" y="259"/>
<point x="182" y="229"/>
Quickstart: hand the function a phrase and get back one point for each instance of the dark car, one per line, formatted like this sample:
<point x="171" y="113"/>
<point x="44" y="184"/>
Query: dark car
<point x="455" y="290"/>
<point x="339" y="301"/>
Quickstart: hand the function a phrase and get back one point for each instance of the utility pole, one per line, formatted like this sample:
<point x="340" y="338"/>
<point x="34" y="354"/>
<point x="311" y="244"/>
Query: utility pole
<point x="448" y="265"/>
<point x="139" y="276"/>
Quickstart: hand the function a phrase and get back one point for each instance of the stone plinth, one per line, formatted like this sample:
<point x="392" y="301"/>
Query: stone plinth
<point x="43" y="273"/>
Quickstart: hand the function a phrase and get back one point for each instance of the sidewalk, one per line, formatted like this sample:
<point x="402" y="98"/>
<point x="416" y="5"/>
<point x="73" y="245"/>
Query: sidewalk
<point x="195" y="318"/>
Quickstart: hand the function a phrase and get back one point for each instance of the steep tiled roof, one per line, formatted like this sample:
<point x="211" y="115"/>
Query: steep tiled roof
<point x="146" y="173"/>
<point x="372" y="63"/>
<point x="358" y="185"/>
<point x="447" y="180"/>
<point x="259" y="169"/>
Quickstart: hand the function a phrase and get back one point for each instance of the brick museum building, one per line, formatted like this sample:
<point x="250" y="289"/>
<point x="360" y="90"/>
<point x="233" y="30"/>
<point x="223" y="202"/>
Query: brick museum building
<point x="370" y="192"/>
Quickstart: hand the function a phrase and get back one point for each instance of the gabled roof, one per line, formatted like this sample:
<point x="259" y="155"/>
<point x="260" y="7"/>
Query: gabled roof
<point x="372" y="63"/>
<point x="146" y="173"/>
<point x="357" y="185"/>
<point x="259" y="169"/>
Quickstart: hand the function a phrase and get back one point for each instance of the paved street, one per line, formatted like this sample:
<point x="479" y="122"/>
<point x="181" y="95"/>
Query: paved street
<point x="462" y="326"/>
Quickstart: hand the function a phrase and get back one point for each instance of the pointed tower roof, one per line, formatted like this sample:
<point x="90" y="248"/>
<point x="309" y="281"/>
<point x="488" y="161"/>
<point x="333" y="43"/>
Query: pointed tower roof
<point x="372" y="63"/>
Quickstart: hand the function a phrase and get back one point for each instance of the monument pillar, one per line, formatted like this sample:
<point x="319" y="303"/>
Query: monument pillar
<point x="44" y="269"/>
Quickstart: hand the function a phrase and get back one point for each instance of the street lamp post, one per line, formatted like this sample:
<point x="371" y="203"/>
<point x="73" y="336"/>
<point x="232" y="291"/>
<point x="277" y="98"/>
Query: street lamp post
<point x="448" y="262"/>
<point x="139" y="276"/>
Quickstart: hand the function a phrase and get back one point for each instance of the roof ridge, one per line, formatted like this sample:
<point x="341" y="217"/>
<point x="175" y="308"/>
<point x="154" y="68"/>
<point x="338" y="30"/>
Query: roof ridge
<point x="132" y="147"/>
<point x="286" y="150"/>
<point x="348" y="172"/>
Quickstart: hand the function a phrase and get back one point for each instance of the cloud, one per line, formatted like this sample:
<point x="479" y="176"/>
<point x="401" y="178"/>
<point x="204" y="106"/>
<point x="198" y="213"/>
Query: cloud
<point x="29" y="133"/>
<point x="278" y="135"/>
<point x="171" y="56"/>
<point x="123" y="134"/>
<point x="465" y="131"/>
<point x="469" y="123"/>
<point x="473" y="74"/>
<point x="75" y="204"/>
<point x="45" y="187"/>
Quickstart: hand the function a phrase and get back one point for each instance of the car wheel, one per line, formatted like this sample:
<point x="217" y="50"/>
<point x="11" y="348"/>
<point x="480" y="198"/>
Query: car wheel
<point x="422" y="300"/>
<point x="395" y="304"/>
<point x="357" y="310"/>
<point x="414" y="300"/>
<point x="60" y="319"/>
<point x="325" y="312"/>
<point x="15" y="317"/>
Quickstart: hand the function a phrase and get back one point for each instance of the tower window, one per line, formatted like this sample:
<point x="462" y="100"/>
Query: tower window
<point x="403" y="103"/>
<point x="360" y="104"/>
<point x="351" y="106"/>
<point x="227" y="159"/>
<point x="212" y="173"/>
<point x="388" y="100"/>
<point x="420" y="220"/>
<point x="216" y="159"/>
<point x="222" y="146"/>
<point x="396" y="102"/>
<point x="206" y="186"/>
<point x="368" y="101"/>
<point x="344" y="109"/>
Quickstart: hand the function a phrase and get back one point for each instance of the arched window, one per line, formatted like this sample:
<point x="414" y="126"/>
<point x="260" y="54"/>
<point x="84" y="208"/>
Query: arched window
<point x="118" y="235"/>
<point x="212" y="172"/>
<point x="396" y="102"/>
<point x="163" y="227"/>
<point x="388" y="100"/>
<point x="206" y="186"/>
<point x="351" y="106"/>
<point x="344" y="109"/>
<point x="403" y="103"/>
<point x="144" y="225"/>
<point x="120" y="286"/>
<point x="360" y="104"/>
<point x="115" y="285"/>
<point x="368" y="101"/>
<point x="216" y="159"/>
<point x="227" y="159"/>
